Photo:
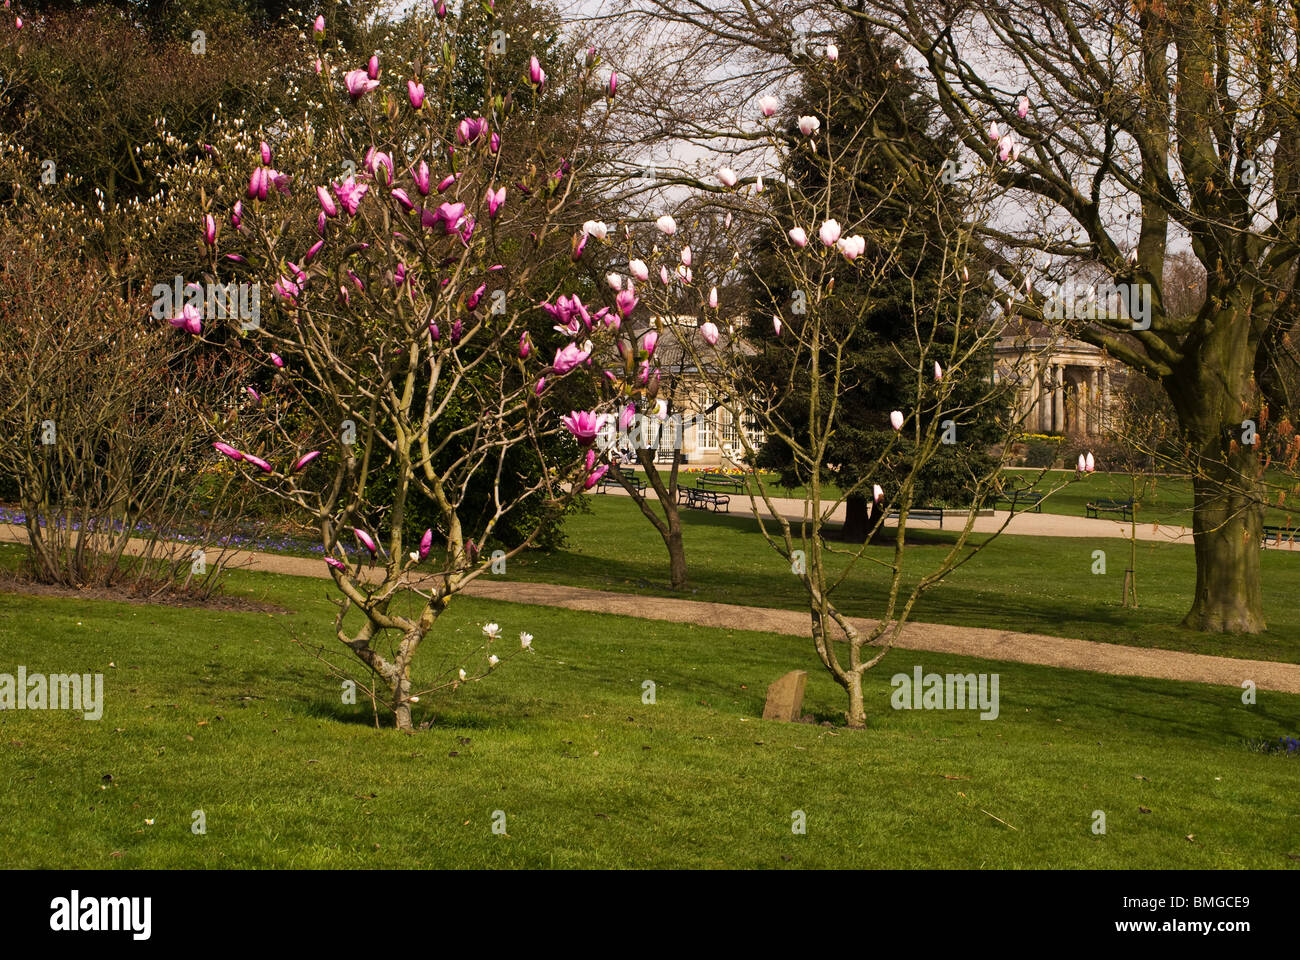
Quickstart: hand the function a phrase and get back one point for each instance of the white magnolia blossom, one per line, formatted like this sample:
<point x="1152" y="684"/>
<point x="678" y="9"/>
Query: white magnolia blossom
<point x="493" y="660"/>
<point x="526" y="641"/>
<point x="492" y="630"/>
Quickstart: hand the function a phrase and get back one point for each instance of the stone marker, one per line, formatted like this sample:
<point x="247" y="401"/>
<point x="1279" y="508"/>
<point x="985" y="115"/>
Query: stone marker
<point x="785" y="697"/>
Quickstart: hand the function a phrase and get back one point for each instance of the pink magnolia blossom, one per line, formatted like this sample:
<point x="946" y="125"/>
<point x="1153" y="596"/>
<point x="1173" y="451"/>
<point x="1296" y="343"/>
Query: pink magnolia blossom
<point x="266" y="153"/>
<point x="593" y="478"/>
<point x="666" y="225"/>
<point x="227" y="450"/>
<point x="896" y="419"/>
<point x="319" y="25"/>
<point x="358" y="83"/>
<point x="809" y="125"/>
<point x="209" y="230"/>
<point x="768" y="105"/>
<point x="350" y="193"/>
<point x="189" y="319"/>
<point x="776" y="324"/>
<point x="536" y="75"/>
<point x="495" y="201"/>
<point x="638" y="269"/>
<point x="338" y="565"/>
<point x="376" y="159"/>
<point x="583" y="425"/>
<point x="257" y="184"/>
<point x="277" y="359"/>
<point x="327" y="204"/>
<point x="372" y="68"/>
<point x="650" y="341"/>
<point x="258" y="462"/>
<point x="421" y="177"/>
<point x="799" y="235"/>
<point x="709" y="330"/>
<point x="416" y="92"/>
<point x="305" y="459"/>
<point x="570" y="356"/>
<point x="829" y="232"/>
<point x="938" y="371"/>
<point x="365" y="540"/>
<point x="1022" y="107"/>
<point x="470" y="129"/>
<point x="426" y="542"/>
<point x="627" y="302"/>
<point x="852" y="247"/>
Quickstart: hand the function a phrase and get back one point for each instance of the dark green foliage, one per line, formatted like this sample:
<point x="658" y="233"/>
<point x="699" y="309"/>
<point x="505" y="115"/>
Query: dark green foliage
<point x="888" y="345"/>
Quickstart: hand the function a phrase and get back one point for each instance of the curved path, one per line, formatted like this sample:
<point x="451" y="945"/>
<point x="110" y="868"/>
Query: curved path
<point x="1024" y="523"/>
<point x="980" y="642"/>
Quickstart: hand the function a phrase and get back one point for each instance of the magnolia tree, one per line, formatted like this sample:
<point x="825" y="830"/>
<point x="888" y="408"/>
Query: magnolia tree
<point x="395" y="238"/>
<point x="830" y="226"/>
<point x="646" y="377"/>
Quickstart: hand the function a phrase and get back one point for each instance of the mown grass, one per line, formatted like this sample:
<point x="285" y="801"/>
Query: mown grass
<point x="221" y="712"/>
<point x="1023" y="583"/>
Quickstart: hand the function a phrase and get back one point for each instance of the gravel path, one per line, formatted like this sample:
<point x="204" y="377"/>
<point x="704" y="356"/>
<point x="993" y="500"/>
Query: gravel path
<point x="940" y="638"/>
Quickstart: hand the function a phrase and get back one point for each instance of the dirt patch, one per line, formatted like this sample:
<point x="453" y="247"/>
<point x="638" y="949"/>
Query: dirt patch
<point x="11" y="583"/>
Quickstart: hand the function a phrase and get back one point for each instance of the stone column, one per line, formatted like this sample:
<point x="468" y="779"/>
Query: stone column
<point x="1045" y="398"/>
<point x="1105" y="397"/>
<point x="1058" y="398"/>
<point x="1094" y="404"/>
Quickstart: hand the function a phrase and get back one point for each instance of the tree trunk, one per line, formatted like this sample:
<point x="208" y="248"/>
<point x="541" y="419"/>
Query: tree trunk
<point x="1213" y="391"/>
<point x="676" y="557"/>
<point x="856" y="715"/>
<point x="1227" y="526"/>
<point x="401" y="695"/>
<point x="857" y="519"/>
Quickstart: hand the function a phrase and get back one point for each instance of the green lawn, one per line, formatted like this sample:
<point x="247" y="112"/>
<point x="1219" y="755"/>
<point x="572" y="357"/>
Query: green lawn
<point x="221" y="712"/>
<point x="1031" y="584"/>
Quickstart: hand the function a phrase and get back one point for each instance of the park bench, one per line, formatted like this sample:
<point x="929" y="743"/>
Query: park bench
<point x="1096" y="508"/>
<point x="611" y="479"/>
<point x="1028" y="499"/>
<point x="922" y="513"/>
<point x="1280" y="535"/>
<point x="720" y="480"/>
<point x="706" y="499"/>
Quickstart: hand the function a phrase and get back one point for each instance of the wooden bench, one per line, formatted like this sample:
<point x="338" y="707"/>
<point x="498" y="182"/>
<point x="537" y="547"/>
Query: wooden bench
<point x="1096" y="508"/>
<point x="610" y="479"/>
<point x="720" y="480"/>
<point x="1029" y="499"/>
<point x="1280" y="535"/>
<point x="922" y="513"/>
<point x="705" y="499"/>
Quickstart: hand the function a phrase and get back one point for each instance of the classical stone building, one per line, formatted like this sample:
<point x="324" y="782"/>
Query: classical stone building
<point x="1063" y="386"/>
<point x="691" y="415"/>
